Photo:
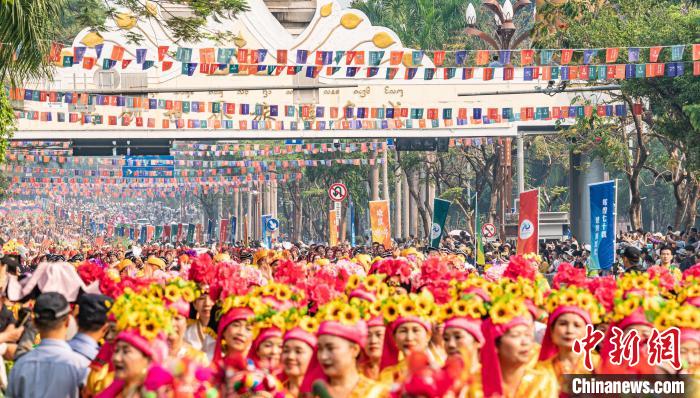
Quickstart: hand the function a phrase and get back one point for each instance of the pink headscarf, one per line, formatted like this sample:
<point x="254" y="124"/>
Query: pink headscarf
<point x="637" y="317"/>
<point x="690" y="335"/>
<point x="182" y="307"/>
<point x="491" y="379"/>
<point x="549" y="349"/>
<point x="390" y="351"/>
<point x="370" y="298"/>
<point x="301" y="335"/>
<point x="354" y="333"/>
<point x="234" y="314"/>
<point x="264" y="335"/>
<point x="469" y="325"/>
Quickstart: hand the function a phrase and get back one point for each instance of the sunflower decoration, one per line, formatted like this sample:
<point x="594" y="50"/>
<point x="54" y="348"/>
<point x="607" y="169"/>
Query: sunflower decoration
<point x="638" y="282"/>
<point x="462" y="307"/>
<point x="11" y="247"/>
<point x="507" y="307"/>
<point x="142" y="312"/>
<point x="674" y="314"/>
<point x="343" y="312"/>
<point x="420" y="305"/>
<point x="687" y="292"/>
<point x="279" y="292"/>
<point x="174" y="290"/>
<point x="651" y="305"/>
<point x="523" y="288"/>
<point x="466" y="289"/>
<point x="574" y="296"/>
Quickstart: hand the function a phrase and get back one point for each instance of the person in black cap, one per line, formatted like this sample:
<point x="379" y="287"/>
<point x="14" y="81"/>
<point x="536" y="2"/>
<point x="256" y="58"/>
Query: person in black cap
<point x="92" y="325"/>
<point x="52" y="369"/>
<point x="631" y="257"/>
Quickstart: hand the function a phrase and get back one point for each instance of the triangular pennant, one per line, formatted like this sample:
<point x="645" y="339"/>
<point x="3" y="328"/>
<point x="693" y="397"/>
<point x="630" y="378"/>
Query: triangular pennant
<point x="566" y="56"/>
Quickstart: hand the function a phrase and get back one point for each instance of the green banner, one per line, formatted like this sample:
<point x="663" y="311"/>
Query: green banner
<point x="440" y="209"/>
<point x="190" y="234"/>
<point x="173" y="233"/>
<point x="159" y="232"/>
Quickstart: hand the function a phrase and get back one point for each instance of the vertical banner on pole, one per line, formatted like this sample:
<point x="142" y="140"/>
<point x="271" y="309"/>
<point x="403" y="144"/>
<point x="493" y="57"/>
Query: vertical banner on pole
<point x="351" y="215"/>
<point x="265" y="232"/>
<point x="480" y="257"/>
<point x="332" y="228"/>
<point x="210" y="230"/>
<point x="528" y="222"/>
<point x="166" y="233"/>
<point x="174" y="232"/>
<point x="245" y="231"/>
<point x="198" y="232"/>
<point x="603" y="221"/>
<point x="233" y="225"/>
<point x="380" y="222"/>
<point x="159" y="232"/>
<point x="440" y="209"/>
<point x="180" y="232"/>
<point x="142" y="235"/>
<point x="190" y="234"/>
<point x="150" y="232"/>
<point x="223" y="225"/>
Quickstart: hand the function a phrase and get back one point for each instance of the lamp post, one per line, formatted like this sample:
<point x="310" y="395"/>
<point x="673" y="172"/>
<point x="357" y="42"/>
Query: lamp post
<point x="502" y="40"/>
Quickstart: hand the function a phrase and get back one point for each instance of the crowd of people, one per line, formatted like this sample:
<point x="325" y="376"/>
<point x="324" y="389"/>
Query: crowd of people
<point x="159" y="320"/>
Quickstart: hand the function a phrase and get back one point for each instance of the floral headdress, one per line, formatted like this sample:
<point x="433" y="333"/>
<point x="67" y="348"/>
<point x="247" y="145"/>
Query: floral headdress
<point x="624" y="307"/>
<point x="347" y="313"/>
<point x="524" y="288"/>
<point x="506" y="307"/>
<point x="89" y="271"/>
<point x="175" y="290"/>
<point x="636" y="282"/>
<point x="664" y="278"/>
<point x="421" y="305"/>
<point x="603" y="288"/>
<point x="462" y="307"/>
<point x="373" y="283"/>
<point x="568" y="275"/>
<point x="574" y="296"/>
<point x="674" y="314"/>
<point x="393" y="267"/>
<point x="11" y="247"/>
<point x="474" y="286"/>
<point x="143" y="313"/>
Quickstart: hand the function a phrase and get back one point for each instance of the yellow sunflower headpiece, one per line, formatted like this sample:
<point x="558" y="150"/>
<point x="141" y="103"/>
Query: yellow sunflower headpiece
<point x="142" y="312"/>
<point x="651" y="305"/>
<point x="343" y="312"/>
<point x="573" y="296"/>
<point x="507" y="307"/>
<point x="175" y="290"/>
<point x="682" y="316"/>
<point x="462" y="307"/>
<point x="421" y="305"/>
<point x="635" y="281"/>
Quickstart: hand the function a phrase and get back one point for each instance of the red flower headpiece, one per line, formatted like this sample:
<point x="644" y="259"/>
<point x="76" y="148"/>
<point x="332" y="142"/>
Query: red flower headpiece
<point x="692" y="272"/>
<point x="89" y="272"/>
<point x="290" y="273"/>
<point x="393" y="267"/>
<point x="663" y="275"/>
<point x="518" y="266"/>
<point x="568" y="275"/>
<point x="603" y="288"/>
<point x="202" y="271"/>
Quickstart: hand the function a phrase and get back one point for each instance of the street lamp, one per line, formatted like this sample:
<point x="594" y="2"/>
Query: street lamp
<point x="503" y="17"/>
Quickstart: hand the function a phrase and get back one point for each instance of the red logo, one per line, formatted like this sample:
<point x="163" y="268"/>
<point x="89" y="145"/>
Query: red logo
<point x="588" y="344"/>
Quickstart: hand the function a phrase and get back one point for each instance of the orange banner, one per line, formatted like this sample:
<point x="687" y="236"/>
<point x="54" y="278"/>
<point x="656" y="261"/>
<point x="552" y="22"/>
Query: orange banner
<point x="332" y="228"/>
<point x="380" y="222"/>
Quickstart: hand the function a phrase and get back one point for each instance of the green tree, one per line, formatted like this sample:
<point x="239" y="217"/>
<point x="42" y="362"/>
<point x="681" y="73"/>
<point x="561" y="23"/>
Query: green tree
<point x="668" y="117"/>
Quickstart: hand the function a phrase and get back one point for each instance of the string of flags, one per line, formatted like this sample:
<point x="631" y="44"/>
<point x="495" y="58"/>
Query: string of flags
<point x="360" y="118"/>
<point x="249" y="61"/>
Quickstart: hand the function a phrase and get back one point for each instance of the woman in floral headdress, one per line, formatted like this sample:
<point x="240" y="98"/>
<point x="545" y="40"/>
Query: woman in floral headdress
<point x="570" y="309"/>
<point x="685" y="317"/>
<point x="410" y="319"/>
<point x="298" y="347"/>
<point x="142" y="320"/>
<point x="342" y="338"/>
<point x="506" y="355"/>
<point x="234" y="336"/>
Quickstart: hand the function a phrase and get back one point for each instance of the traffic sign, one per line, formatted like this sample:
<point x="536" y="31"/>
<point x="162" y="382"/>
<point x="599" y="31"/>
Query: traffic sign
<point x="273" y="224"/>
<point x="337" y="192"/>
<point x="488" y="230"/>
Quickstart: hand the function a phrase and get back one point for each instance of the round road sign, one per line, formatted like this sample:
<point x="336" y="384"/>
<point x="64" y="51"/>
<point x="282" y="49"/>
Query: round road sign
<point x="337" y="192"/>
<point x="488" y="230"/>
<point x="273" y="224"/>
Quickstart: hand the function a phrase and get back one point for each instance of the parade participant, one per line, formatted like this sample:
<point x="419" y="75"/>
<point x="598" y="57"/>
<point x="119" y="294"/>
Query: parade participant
<point x="234" y="336"/>
<point x="92" y="326"/>
<point x="334" y="365"/>
<point x="177" y="345"/>
<point x="506" y="355"/>
<point x="51" y="369"/>
<point x="410" y="318"/>
<point x="570" y="309"/>
<point x="142" y="321"/>
<point x="297" y="350"/>
<point x="266" y="349"/>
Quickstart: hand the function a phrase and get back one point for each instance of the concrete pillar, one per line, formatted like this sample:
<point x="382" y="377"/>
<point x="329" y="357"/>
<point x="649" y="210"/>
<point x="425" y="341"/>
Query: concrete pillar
<point x="413" y="204"/>
<point x="521" y="163"/>
<point x="385" y="175"/>
<point x="249" y="211"/>
<point x="236" y="203"/>
<point x="582" y="171"/>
